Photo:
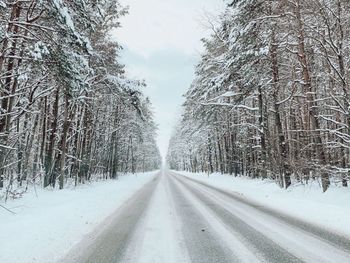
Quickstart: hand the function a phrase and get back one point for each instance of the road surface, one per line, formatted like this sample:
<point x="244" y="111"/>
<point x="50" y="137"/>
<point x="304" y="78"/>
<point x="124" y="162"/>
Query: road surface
<point x="175" y="219"/>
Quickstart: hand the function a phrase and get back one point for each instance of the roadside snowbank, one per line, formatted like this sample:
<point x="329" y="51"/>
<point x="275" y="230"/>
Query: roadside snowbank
<point x="307" y="202"/>
<point x="46" y="227"/>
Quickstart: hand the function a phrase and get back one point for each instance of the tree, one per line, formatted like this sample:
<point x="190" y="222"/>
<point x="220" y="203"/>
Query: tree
<point x="65" y="100"/>
<point x="270" y="96"/>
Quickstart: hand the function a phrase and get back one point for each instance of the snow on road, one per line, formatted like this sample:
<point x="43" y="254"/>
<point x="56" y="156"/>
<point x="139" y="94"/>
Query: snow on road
<point x="158" y="237"/>
<point x="306" y="202"/>
<point x="47" y="226"/>
<point x="300" y="243"/>
<point x="229" y="238"/>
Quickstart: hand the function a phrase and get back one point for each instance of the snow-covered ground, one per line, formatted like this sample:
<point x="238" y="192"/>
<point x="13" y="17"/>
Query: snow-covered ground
<point x="307" y="202"/>
<point x="47" y="225"/>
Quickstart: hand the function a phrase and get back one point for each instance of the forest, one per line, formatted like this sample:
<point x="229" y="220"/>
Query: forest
<point x="271" y="95"/>
<point x="68" y="111"/>
<point x="174" y="131"/>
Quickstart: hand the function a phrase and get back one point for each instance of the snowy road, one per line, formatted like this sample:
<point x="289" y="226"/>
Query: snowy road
<point x="177" y="219"/>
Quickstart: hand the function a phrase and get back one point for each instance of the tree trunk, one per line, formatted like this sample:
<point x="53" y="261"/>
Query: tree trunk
<point x="63" y="146"/>
<point x="315" y="125"/>
<point x="284" y="164"/>
<point x="49" y="158"/>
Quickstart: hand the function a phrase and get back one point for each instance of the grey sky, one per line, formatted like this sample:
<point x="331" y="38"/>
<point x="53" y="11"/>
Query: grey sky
<point x="161" y="40"/>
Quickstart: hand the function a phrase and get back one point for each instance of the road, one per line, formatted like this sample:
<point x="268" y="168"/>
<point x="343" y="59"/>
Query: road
<point x="175" y="219"/>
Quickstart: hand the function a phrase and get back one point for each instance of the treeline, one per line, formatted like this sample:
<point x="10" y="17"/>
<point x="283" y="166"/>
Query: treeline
<point x="68" y="112"/>
<point x="271" y="95"/>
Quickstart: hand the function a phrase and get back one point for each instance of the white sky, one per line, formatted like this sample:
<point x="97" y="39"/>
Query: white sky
<point x="161" y="40"/>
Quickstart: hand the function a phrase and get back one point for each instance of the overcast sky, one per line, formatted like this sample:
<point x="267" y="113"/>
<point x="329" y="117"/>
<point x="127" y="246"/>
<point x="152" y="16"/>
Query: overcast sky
<point x="161" y="40"/>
